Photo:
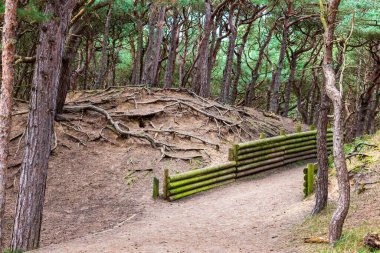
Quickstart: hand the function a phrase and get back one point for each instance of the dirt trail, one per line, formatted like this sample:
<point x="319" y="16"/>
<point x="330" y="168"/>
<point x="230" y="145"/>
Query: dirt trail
<point x="253" y="215"/>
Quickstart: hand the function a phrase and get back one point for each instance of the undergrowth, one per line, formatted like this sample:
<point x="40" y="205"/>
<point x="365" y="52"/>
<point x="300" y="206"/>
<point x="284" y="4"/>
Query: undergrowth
<point x="352" y="238"/>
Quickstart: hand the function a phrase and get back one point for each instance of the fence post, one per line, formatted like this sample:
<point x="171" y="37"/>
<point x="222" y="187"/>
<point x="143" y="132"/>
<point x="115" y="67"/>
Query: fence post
<point x="262" y="136"/>
<point x="156" y="187"/>
<point x="310" y="178"/>
<point x="299" y="127"/>
<point x="305" y="187"/>
<point x="232" y="152"/>
<point x="165" y="184"/>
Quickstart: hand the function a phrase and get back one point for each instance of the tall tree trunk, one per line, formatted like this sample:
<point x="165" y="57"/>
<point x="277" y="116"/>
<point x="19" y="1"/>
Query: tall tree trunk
<point x="290" y="84"/>
<point x="170" y="66"/>
<point x="8" y="71"/>
<point x="255" y="73"/>
<point x="364" y="101"/>
<point x="138" y="59"/>
<point x="71" y="48"/>
<point x="148" y="62"/>
<point x="200" y="81"/>
<point x="182" y="62"/>
<point x="104" y="61"/>
<point x="321" y="194"/>
<point x="152" y="55"/>
<point x="157" y="46"/>
<point x="226" y="82"/>
<point x="31" y="196"/>
<point x="336" y="96"/>
<point x="239" y="62"/>
<point x="274" y="104"/>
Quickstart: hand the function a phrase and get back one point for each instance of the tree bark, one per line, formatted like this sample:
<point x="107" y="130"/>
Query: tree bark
<point x="200" y="83"/>
<point x="364" y="101"/>
<point x="152" y="55"/>
<point x="28" y="217"/>
<point x="104" y="61"/>
<point x="336" y="96"/>
<point x="274" y="104"/>
<point x="239" y="62"/>
<point x="182" y="62"/>
<point x="226" y="82"/>
<point x="321" y="194"/>
<point x="72" y="45"/>
<point x="7" y="82"/>
<point x="157" y="46"/>
<point x="148" y="61"/>
<point x="255" y="73"/>
<point x="137" y="63"/>
<point x="170" y="67"/>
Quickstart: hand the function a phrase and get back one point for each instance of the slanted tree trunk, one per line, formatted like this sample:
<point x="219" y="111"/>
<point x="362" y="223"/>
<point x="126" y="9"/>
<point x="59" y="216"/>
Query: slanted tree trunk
<point x="104" y="61"/>
<point x="31" y="196"/>
<point x="336" y="96"/>
<point x="170" y="67"/>
<point x="8" y="71"/>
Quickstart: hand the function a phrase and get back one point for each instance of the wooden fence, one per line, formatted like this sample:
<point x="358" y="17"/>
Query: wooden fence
<point x="246" y="159"/>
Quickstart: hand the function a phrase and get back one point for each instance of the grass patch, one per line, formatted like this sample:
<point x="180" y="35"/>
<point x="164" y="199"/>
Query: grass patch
<point x="356" y="226"/>
<point x="352" y="238"/>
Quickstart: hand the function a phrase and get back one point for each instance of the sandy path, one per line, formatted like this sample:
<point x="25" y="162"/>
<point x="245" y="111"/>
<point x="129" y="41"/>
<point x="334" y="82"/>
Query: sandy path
<point x="250" y="216"/>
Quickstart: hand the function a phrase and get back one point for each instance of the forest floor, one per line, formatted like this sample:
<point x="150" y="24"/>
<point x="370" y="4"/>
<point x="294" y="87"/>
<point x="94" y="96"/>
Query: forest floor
<point x="254" y="215"/>
<point x="101" y="170"/>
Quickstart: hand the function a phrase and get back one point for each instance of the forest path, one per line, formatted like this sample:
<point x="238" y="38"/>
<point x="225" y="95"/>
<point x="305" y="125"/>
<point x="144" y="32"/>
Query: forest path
<point x="254" y="215"/>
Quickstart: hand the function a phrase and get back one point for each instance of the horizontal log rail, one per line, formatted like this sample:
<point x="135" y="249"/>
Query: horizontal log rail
<point x="245" y="159"/>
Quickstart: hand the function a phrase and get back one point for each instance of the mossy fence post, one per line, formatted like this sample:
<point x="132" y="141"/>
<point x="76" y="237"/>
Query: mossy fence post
<point x="309" y="174"/>
<point x="299" y="127"/>
<point x="165" y="184"/>
<point x="156" y="187"/>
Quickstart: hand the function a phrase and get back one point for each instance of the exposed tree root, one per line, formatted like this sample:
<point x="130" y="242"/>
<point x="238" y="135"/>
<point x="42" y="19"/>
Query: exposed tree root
<point x="315" y="240"/>
<point x="116" y="127"/>
<point x="372" y="241"/>
<point x="185" y="135"/>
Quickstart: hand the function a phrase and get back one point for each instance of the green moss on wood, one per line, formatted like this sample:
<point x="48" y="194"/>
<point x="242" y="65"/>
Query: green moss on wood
<point x="205" y="188"/>
<point x="156" y="187"/>
<point x="165" y="184"/>
<point x="198" y="172"/>
<point x="278" y="138"/>
<point x="200" y="178"/>
<point x="201" y="184"/>
<point x="277" y="144"/>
